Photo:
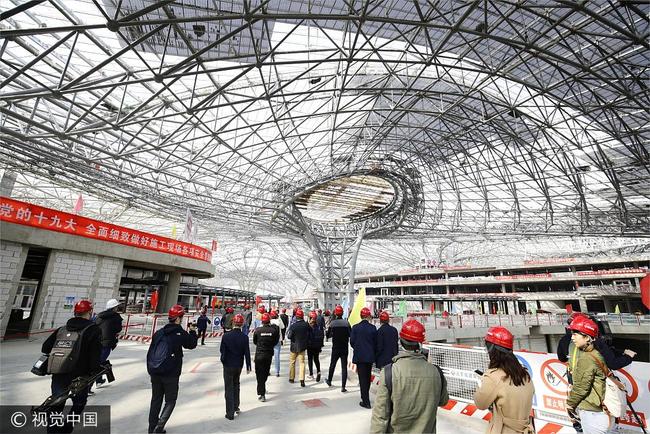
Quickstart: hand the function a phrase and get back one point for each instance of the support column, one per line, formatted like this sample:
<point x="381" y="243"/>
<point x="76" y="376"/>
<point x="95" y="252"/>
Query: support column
<point x="7" y="184"/>
<point x="583" y="305"/>
<point x="171" y="292"/>
<point x="12" y="283"/>
<point x="608" y="305"/>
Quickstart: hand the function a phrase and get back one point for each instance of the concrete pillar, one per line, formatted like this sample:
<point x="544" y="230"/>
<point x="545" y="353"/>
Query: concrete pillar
<point x="12" y="285"/>
<point x="171" y="292"/>
<point x="7" y="184"/>
<point x="608" y="305"/>
<point x="629" y="305"/>
<point x="583" y="305"/>
<point x="503" y="287"/>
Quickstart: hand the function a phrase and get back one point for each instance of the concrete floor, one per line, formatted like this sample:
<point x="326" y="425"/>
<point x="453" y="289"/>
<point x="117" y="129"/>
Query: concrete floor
<point x="201" y="407"/>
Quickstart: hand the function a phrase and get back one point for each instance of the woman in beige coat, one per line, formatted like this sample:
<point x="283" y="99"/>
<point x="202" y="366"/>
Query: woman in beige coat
<point x="506" y="387"/>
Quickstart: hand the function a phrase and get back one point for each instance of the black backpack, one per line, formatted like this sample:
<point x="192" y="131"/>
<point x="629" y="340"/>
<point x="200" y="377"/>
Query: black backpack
<point x="65" y="353"/>
<point x="160" y="358"/>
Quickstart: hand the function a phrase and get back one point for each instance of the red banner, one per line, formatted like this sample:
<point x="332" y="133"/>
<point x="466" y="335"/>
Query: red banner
<point x="23" y="213"/>
<point x="645" y="291"/>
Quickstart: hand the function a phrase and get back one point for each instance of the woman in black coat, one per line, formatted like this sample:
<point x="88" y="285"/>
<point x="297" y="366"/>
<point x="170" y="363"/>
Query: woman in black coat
<point x="315" y="345"/>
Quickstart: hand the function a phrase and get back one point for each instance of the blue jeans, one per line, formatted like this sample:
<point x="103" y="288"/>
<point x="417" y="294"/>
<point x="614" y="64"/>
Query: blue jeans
<point x="276" y="356"/>
<point x="245" y="329"/>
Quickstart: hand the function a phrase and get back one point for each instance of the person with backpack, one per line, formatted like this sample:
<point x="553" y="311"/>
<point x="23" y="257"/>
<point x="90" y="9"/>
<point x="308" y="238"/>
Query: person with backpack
<point x="410" y="388"/>
<point x="164" y="365"/>
<point x="363" y="341"/>
<point x="298" y="334"/>
<point x="265" y="338"/>
<point x="387" y="341"/>
<point x="339" y="331"/>
<point x="506" y="387"/>
<point x="278" y="346"/>
<point x="589" y="373"/>
<point x="202" y="324"/>
<point x="110" y="323"/>
<point x="234" y="349"/>
<point x="74" y="351"/>
<point x="315" y="345"/>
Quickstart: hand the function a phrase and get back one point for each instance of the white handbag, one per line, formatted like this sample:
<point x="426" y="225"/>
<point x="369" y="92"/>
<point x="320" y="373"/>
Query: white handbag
<point x="615" y="401"/>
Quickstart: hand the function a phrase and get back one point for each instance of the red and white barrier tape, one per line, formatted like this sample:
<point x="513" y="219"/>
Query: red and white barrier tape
<point x="147" y="339"/>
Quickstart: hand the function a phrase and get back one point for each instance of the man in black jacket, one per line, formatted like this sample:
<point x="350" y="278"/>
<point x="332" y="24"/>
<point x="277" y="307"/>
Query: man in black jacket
<point x="285" y="319"/>
<point x="387" y="341"/>
<point x="166" y="384"/>
<point x="298" y="334"/>
<point x="110" y="323"/>
<point x="339" y="330"/>
<point x="234" y="348"/>
<point x="202" y="324"/>
<point x="86" y="364"/>
<point x="265" y="338"/>
<point x="363" y="340"/>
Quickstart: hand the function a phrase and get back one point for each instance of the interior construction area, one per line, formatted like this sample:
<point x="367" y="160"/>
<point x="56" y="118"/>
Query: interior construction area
<point x="468" y="165"/>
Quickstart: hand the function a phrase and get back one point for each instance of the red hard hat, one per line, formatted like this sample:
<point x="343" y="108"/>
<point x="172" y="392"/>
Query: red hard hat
<point x="247" y="306"/>
<point x="176" y="311"/>
<point x="300" y="313"/>
<point x="338" y="310"/>
<point x="266" y="318"/>
<point x="261" y="309"/>
<point x="500" y="336"/>
<point x="274" y="314"/>
<point x="585" y="325"/>
<point x="229" y="310"/>
<point x="313" y="314"/>
<point x="238" y="319"/>
<point x="83" y="306"/>
<point x="327" y="312"/>
<point x="412" y="330"/>
<point x="284" y="310"/>
<point x="383" y="316"/>
<point x="575" y="315"/>
<point x="365" y="312"/>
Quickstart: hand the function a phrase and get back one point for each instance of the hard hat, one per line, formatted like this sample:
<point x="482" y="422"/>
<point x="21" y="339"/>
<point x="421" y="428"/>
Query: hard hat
<point x="238" y="319"/>
<point x="266" y="318"/>
<point x="261" y="309"/>
<point x="327" y="312"/>
<point x="230" y="310"/>
<point x="500" y="336"/>
<point x="83" y="306"/>
<point x="176" y="311"/>
<point x="247" y="306"/>
<point x="320" y="311"/>
<point x="300" y="313"/>
<point x="338" y="310"/>
<point x="284" y="310"/>
<point x="313" y="314"/>
<point x="274" y="314"/>
<point x="383" y="316"/>
<point x="585" y="326"/>
<point x="110" y="304"/>
<point x="575" y="315"/>
<point x="365" y="313"/>
<point x="412" y="330"/>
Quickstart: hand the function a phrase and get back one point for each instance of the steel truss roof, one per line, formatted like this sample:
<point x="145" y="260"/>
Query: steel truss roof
<point x="522" y="118"/>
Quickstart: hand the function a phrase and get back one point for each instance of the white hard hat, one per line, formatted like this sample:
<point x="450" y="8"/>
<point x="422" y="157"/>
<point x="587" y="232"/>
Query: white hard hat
<point x="110" y="304"/>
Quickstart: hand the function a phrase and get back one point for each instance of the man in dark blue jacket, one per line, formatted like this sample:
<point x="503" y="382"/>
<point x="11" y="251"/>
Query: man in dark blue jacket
<point x="202" y="324"/>
<point x="339" y="331"/>
<point x="298" y="334"/>
<point x="364" y="343"/>
<point x="234" y="348"/>
<point x="166" y="384"/>
<point x="387" y="341"/>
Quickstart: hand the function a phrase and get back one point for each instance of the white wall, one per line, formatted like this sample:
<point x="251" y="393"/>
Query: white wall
<point x="10" y="271"/>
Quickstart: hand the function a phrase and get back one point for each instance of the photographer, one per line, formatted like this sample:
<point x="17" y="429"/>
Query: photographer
<point x="74" y="351"/>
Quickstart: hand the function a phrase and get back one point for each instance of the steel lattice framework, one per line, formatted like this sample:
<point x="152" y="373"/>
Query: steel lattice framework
<point x="520" y="118"/>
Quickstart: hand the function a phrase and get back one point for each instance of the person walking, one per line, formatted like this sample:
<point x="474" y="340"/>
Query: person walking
<point x="248" y="319"/>
<point x="285" y="320"/>
<point x="588" y="372"/>
<point x="226" y="319"/>
<point x="387" y="341"/>
<point x="320" y="319"/>
<point x="110" y="323"/>
<point x="315" y="345"/>
<point x="164" y="365"/>
<point x="298" y="334"/>
<point x="278" y="346"/>
<point x="265" y="338"/>
<point x="74" y="351"/>
<point x="202" y="324"/>
<point x="506" y="387"/>
<point x="363" y="340"/>
<point x="410" y="388"/>
<point x="339" y="331"/>
<point x="234" y="349"/>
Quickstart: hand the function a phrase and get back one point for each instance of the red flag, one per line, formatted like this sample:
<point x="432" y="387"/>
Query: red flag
<point x="569" y="308"/>
<point x="154" y="300"/>
<point x="79" y="205"/>
<point x="214" y="302"/>
<point x="645" y="291"/>
<point x="258" y="300"/>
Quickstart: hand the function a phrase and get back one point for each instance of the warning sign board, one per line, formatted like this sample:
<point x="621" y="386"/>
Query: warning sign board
<point x="554" y="375"/>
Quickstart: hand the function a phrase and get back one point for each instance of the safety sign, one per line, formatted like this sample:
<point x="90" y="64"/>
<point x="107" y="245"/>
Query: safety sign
<point x="554" y="376"/>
